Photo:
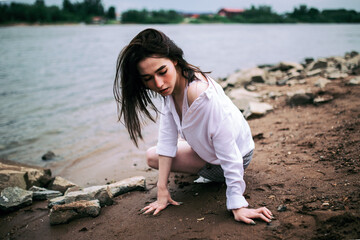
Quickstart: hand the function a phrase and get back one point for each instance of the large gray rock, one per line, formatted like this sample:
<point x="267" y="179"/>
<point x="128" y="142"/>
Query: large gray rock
<point x="56" y="201"/>
<point x="293" y="73"/>
<point x="12" y="178"/>
<point x="13" y="198"/>
<point x="43" y="193"/>
<point x="127" y="185"/>
<point x="246" y="76"/>
<point x="334" y="73"/>
<point x="243" y="93"/>
<point x="314" y="72"/>
<point x="257" y="109"/>
<point x="60" y="214"/>
<point x="101" y="193"/>
<point x="236" y="79"/>
<point x="323" y="99"/>
<point x="241" y="98"/>
<point x="285" y="66"/>
<point x="321" y="82"/>
<point x="37" y="177"/>
<point x="321" y="63"/>
<point x="60" y="184"/>
<point x="354" y="81"/>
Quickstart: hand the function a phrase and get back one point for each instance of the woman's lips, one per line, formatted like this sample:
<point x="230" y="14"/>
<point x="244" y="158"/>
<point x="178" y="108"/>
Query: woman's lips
<point x="163" y="90"/>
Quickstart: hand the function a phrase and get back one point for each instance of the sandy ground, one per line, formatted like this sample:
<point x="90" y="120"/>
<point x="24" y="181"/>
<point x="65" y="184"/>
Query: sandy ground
<point x="306" y="158"/>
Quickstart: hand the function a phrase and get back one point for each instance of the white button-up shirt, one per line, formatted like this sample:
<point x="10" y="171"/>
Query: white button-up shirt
<point x="216" y="130"/>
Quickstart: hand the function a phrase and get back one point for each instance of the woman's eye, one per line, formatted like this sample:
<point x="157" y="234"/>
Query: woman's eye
<point x="162" y="73"/>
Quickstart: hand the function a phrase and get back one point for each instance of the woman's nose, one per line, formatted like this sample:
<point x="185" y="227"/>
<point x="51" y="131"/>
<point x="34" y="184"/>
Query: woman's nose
<point x="159" y="82"/>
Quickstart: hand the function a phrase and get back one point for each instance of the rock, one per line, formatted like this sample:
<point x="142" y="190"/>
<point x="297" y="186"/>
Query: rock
<point x="309" y="60"/>
<point x="274" y="95"/>
<point x="61" y="184"/>
<point x="354" y="81"/>
<point x="285" y="66"/>
<point x="13" y="198"/>
<point x="323" y="99"/>
<point x="73" y="189"/>
<point x="270" y="80"/>
<point x="321" y="63"/>
<point x="353" y="62"/>
<point x="276" y="74"/>
<point x="241" y="98"/>
<point x="251" y="88"/>
<point x="321" y="82"/>
<point x="43" y="193"/>
<point x="281" y="208"/>
<point x="244" y="77"/>
<point x="257" y="109"/>
<point x="56" y="201"/>
<point x="12" y="178"/>
<point x="127" y="185"/>
<point x="236" y="80"/>
<point x="353" y="54"/>
<point x="243" y="93"/>
<point x="293" y="74"/>
<point x="33" y="176"/>
<point x="294" y="82"/>
<point x="101" y="193"/>
<point x="336" y="75"/>
<point x="257" y="75"/>
<point x="37" y="177"/>
<point x="60" y="214"/>
<point x="48" y="156"/>
<point x="356" y="70"/>
<point x="300" y="98"/>
<point x="314" y="73"/>
<point x="282" y="82"/>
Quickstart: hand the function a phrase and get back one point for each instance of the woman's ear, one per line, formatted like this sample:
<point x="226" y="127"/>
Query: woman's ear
<point x="175" y="63"/>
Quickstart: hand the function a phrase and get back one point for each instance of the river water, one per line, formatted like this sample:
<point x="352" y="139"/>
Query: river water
<point x="56" y="81"/>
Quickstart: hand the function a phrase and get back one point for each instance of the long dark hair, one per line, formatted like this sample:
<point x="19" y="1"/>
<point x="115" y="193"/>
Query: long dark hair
<point x="131" y="95"/>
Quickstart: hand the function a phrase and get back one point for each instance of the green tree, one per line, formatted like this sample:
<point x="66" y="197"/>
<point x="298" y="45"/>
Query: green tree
<point x="111" y="13"/>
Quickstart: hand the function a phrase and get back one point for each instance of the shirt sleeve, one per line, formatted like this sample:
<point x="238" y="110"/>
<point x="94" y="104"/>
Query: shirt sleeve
<point x="231" y="161"/>
<point x="168" y="134"/>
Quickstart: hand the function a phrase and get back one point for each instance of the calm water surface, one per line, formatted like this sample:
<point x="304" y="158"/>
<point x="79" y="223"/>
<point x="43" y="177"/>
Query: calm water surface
<point x="56" y="81"/>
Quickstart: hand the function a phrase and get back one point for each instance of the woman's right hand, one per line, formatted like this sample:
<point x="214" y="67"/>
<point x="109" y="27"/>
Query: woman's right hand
<point x="163" y="200"/>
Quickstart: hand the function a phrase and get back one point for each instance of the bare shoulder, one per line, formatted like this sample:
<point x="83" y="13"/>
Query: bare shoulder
<point x="196" y="88"/>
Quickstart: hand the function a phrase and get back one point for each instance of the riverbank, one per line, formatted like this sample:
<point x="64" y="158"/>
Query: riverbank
<point x="306" y="159"/>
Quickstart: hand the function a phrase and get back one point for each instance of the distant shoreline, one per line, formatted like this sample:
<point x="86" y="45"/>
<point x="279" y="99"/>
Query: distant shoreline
<point x="22" y="24"/>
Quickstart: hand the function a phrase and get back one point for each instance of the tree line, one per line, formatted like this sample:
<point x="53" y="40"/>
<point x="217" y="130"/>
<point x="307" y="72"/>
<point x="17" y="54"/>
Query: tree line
<point x="260" y="14"/>
<point x="84" y="11"/>
<point x="40" y="13"/>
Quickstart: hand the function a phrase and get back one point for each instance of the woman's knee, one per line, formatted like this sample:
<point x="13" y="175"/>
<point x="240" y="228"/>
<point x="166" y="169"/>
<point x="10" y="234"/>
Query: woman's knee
<point x="152" y="158"/>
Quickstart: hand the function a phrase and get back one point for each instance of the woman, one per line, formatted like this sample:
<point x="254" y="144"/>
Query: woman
<point x="218" y="142"/>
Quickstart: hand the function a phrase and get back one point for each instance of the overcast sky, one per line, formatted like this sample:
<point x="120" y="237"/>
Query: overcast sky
<point x="279" y="6"/>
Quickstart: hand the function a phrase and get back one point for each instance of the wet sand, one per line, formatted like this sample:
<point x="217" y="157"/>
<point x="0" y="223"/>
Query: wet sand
<point x="306" y="158"/>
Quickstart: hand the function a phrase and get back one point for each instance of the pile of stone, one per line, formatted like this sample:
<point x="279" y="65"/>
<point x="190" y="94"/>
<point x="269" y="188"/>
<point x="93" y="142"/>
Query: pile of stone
<point x="20" y="186"/>
<point x="239" y="85"/>
<point x="83" y="202"/>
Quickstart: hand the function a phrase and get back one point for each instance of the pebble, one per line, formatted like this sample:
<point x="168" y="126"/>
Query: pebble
<point x="282" y="208"/>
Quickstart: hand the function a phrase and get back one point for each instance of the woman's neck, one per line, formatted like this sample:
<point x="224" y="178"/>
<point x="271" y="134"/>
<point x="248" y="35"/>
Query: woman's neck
<point x="179" y="86"/>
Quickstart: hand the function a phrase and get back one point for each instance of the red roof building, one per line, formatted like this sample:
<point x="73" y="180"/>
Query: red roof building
<point x="229" y="12"/>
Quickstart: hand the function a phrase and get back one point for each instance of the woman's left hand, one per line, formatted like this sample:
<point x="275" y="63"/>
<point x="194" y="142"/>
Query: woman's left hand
<point x="247" y="214"/>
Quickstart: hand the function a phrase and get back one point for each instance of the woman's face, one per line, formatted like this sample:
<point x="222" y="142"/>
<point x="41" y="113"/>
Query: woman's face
<point x="158" y="74"/>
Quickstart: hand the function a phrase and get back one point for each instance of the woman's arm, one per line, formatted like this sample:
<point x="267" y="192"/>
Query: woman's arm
<point x="163" y="194"/>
